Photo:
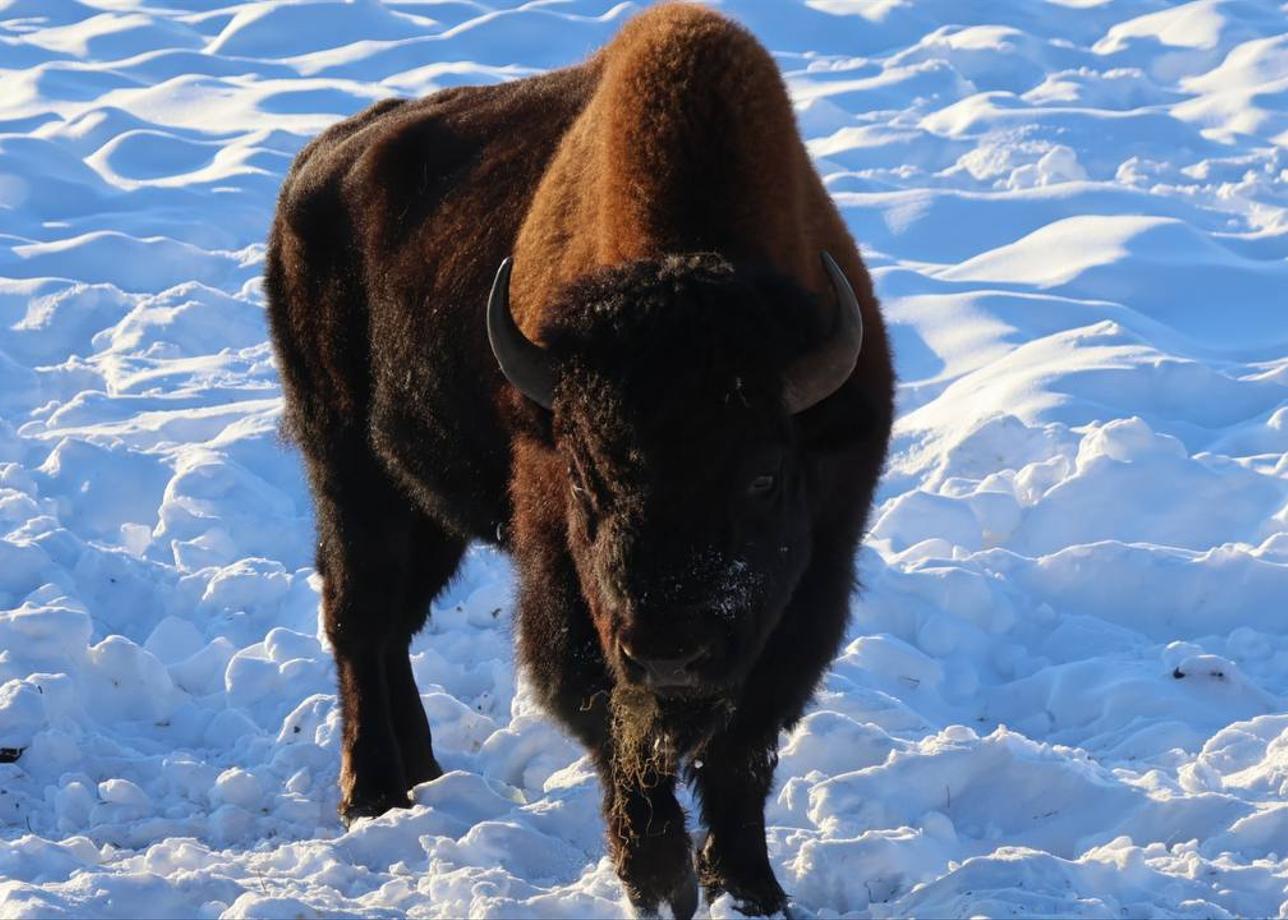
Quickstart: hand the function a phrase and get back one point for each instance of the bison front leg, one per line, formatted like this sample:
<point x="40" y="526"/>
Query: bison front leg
<point x="372" y="778"/>
<point x="382" y="561"/>
<point x="732" y="779"/>
<point x="647" y="837"/>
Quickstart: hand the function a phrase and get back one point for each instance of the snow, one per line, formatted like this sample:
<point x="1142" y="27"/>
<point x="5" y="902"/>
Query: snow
<point x="1064" y="688"/>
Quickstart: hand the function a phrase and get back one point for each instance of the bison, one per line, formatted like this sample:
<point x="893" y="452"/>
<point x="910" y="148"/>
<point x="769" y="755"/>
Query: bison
<point x="608" y="319"/>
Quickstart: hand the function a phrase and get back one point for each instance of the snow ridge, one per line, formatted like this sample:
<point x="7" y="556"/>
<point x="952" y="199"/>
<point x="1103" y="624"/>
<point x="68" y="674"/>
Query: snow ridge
<point x="1065" y="684"/>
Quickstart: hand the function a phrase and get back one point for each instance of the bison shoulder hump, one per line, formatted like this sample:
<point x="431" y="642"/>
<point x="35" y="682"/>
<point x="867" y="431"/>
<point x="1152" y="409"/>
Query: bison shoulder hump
<point x="312" y="196"/>
<point x="687" y="46"/>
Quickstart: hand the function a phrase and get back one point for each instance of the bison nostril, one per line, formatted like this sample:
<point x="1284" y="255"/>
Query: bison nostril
<point x="664" y="672"/>
<point x="696" y="657"/>
<point x="635" y="663"/>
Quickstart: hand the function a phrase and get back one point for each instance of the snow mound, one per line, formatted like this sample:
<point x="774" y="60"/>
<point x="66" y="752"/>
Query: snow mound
<point x="1063" y="692"/>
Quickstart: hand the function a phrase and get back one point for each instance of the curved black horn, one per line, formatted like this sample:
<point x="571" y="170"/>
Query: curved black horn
<point x="524" y="363"/>
<point x="819" y="373"/>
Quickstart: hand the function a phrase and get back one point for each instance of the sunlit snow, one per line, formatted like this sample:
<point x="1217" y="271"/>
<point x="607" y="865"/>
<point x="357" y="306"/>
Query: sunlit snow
<point x="1065" y="688"/>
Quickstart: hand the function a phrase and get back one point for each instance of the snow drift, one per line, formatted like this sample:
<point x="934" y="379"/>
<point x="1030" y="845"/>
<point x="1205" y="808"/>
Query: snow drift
<point x="1065" y="684"/>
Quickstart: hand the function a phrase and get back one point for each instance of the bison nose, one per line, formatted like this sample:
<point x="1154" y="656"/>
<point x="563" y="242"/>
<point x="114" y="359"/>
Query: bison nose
<point x="663" y="673"/>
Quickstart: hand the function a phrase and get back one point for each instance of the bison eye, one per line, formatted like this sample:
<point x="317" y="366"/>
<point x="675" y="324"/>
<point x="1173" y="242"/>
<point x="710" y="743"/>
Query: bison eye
<point x="762" y="485"/>
<point x="581" y="495"/>
<point x="582" y="499"/>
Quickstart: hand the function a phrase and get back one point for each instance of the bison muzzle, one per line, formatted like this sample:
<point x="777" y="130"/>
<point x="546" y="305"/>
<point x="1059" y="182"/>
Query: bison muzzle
<point x="609" y="319"/>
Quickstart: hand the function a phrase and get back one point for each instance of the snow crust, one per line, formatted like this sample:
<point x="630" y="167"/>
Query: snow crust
<point x="1064" y="688"/>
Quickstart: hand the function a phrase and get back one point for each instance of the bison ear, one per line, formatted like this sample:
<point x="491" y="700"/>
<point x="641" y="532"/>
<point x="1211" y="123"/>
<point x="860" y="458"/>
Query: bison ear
<point x="819" y="372"/>
<point x="524" y="363"/>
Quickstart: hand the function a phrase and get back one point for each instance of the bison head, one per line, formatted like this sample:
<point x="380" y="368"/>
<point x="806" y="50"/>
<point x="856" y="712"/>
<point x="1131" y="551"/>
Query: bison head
<point x="673" y="386"/>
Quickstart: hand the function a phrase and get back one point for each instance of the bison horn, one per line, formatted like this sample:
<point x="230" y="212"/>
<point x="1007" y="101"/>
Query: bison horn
<point x="819" y="373"/>
<point x="524" y="363"/>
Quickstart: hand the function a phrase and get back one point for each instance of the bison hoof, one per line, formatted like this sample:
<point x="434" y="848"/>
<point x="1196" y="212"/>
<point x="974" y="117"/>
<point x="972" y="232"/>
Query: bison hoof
<point x="768" y="901"/>
<point x="756" y="893"/>
<point x="372" y="807"/>
<point x="683" y="901"/>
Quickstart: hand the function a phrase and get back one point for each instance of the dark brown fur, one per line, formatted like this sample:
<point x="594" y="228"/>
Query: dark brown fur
<point x="666" y="225"/>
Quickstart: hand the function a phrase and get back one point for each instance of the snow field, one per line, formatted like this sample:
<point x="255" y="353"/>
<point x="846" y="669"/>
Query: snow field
<point x="1065" y="687"/>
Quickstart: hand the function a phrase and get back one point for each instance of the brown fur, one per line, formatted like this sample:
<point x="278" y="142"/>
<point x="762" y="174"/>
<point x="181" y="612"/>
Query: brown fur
<point x="666" y="225"/>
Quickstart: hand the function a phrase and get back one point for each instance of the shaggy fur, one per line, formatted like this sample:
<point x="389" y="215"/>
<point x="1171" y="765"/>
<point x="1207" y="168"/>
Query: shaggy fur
<point x="666" y="225"/>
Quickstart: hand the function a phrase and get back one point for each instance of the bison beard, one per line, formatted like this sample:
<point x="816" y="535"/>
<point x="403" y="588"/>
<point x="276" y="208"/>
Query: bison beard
<point x="659" y="407"/>
<point x="651" y="736"/>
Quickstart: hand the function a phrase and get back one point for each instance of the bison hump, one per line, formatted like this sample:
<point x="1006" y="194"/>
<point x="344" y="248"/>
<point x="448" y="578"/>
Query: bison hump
<point x="700" y="142"/>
